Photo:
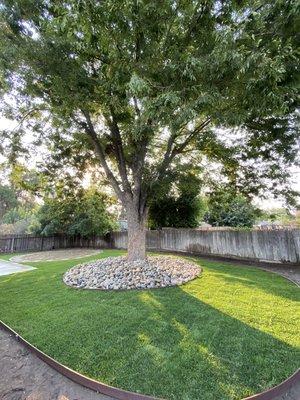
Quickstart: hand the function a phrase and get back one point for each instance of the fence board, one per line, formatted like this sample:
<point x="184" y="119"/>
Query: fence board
<point x="280" y="245"/>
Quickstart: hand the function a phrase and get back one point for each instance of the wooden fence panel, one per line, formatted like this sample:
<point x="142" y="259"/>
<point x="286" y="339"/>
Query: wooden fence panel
<point x="281" y="245"/>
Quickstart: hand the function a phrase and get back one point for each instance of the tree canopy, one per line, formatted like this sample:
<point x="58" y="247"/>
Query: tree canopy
<point x="226" y="208"/>
<point x="82" y="212"/>
<point x="8" y="199"/>
<point x="178" y="204"/>
<point x="133" y="87"/>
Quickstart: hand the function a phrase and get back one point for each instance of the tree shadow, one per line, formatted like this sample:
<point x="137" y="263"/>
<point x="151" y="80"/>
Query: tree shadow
<point x="202" y="353"/>
<point x="269" y="282"/>
<point x="179" y="343"/>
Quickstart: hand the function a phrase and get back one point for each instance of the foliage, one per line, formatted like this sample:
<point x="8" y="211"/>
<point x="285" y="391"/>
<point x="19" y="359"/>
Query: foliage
<point x="8" y="199"/>
<point x="180" y="212"/>
<point x="27" y="182"/>
<point x="27" y="225"/>
<point x="15" y="214"/>
<point x="134" y="87"/>
<point x="20" y="220"/>
<point x="83" y="212"/>
<point x="18" y="205"/>
<point x="226" y="208"/>
<point x="280" y="215"/>
<point x="178" y="203"/>
<point x="197" y="341"/>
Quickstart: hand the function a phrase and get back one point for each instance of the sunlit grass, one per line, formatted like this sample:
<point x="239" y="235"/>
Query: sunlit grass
<point x="7" y="256"/>
<point x="228" y="334"/>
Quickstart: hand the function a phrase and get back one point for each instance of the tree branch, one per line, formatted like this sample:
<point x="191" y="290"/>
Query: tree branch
<point x="92" y="135"/>
<point x="169" y="150"/>
<point x="195" y="18"/>
<point x="24" y="117"/>
<point x="172" y="152"/>
<point x="182" y="146"/>
<point x="121" y="162"/>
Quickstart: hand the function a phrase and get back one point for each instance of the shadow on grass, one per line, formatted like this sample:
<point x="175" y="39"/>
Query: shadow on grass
<point x="202" y="353"/>
<point x="169" y="343"/>
<point x="269" y="282"/>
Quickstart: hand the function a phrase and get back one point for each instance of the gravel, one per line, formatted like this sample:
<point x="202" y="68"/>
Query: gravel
<point x="117" y="273"/>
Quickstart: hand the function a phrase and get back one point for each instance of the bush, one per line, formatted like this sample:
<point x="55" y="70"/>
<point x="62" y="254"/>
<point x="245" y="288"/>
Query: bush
<point x="178" y="204"/>
<point x="82" y="213"/>
<point x="226" y="208"/>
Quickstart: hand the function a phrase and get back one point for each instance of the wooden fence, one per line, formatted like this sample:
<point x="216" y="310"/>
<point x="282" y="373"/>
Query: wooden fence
<point x="20" y="243"/>
<point x="281" y="245"/>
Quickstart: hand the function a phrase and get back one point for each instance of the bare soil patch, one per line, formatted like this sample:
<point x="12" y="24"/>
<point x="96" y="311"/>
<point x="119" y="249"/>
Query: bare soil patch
<point x="56" y="255"/>
<point x="23" y="376"/>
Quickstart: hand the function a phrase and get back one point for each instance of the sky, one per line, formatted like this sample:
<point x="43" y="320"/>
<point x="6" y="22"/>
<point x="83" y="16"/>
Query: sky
<point x="37" y="157"/>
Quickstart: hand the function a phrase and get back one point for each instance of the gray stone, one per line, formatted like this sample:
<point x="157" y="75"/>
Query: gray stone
<point x="115" y="273"/>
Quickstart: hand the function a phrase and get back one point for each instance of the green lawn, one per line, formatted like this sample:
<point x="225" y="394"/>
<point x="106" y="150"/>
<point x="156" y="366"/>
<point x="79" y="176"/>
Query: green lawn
<point x="226" y="335"/>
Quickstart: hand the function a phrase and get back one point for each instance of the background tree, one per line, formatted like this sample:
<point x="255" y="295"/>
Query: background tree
<point x="279" y="216"/>
<point x="178" y="204"/>
<point x="20" y="220"/>
<point x="227" y="208"/>
<point x="76" y="212"/>
<point x="8" y="199"/>
<point x="132" y="87"/>
<point x="17" y="210"/>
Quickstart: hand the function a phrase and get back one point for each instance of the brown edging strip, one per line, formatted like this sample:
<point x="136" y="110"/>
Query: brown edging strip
<point x="77" y="377"/>
<point x="278" y="390"/>
<point x="120" y="394"/>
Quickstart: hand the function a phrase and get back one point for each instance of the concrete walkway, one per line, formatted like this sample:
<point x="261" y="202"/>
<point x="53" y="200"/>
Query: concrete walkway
<point x="8" y="267"/>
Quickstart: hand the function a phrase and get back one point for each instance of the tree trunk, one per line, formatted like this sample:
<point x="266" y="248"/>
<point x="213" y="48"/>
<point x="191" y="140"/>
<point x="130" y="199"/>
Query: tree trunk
<point x="136" y="234"/>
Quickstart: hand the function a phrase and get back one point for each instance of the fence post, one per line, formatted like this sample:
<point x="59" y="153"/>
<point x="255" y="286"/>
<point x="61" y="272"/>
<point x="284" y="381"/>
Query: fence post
<point x="261" y="245"/>
<point x="159" y="239"/>
<point x="12" y="244"/>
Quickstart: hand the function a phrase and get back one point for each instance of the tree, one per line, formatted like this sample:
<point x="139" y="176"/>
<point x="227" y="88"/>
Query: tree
<point x="17" y="202"/>
<point x="178" y="205"/>
<point x="8" y="199"/>
<point x="20" y="220"/>
<point x="80" y="212"/>
<point x="226" y="208"/>
<point x="134" y="87"/>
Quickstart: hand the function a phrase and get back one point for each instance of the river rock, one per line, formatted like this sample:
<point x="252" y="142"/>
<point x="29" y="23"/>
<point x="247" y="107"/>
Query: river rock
<point x="115" y="273"/>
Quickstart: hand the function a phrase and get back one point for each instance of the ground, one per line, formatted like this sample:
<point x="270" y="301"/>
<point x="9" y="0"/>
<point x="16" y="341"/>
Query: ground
<point x="207" y="334"/>
<point x="63" y="254"/>
<point x="25" y="377"/>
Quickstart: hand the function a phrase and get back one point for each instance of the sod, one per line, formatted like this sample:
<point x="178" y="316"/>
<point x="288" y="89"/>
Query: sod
<point x="228" y="334"/>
